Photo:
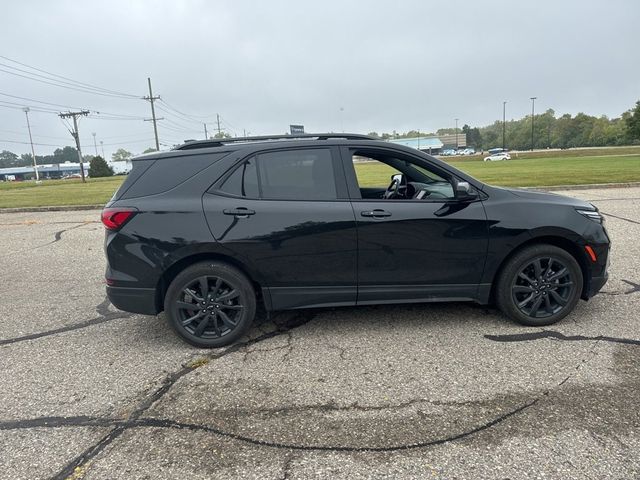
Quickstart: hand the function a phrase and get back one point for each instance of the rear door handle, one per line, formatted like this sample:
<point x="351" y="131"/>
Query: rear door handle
<point x="377" y="213"/>
<point x="240" y="212"/>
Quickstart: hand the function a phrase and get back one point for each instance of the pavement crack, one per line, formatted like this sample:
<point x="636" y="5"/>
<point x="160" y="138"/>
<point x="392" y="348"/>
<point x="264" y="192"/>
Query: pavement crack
<point x="530" y="336"/>
<point x="104" y="316"/>
<point x="621" y="218"/>
<point x="57" y="236"/>
<point x="635" y="287"/>
<point x="286" y="467"/>
<point x="55" y="422"/>
<point x="83" y="460"/>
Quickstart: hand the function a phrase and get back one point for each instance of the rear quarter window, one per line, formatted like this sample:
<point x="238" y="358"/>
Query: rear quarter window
<point x="163" y="174"/>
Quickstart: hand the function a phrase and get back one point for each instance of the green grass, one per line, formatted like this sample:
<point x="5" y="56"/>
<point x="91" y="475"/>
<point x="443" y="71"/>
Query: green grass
<point x="58" y="192"/>
<point x="530" y="172"/>
<point x="623" y="166"/>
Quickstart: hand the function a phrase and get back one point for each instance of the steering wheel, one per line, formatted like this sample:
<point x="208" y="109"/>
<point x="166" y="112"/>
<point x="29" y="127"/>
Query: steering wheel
<point x="393" y="190"/>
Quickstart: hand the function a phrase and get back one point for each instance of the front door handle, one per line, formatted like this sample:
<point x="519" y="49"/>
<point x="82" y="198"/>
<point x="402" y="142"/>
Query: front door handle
<point x="377" y="213"/>
<point x="240" y="212"/>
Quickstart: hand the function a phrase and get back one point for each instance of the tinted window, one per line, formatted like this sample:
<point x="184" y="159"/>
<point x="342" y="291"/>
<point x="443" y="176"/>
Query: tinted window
<point x="297" y="174"/>
<point x="166" y="173"/>
<point x="138" y="168"/>
<point x="243" y="182"/>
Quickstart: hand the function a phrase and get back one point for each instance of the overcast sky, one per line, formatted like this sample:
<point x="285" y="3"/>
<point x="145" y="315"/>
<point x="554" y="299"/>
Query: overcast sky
<point x="263" y="65"/>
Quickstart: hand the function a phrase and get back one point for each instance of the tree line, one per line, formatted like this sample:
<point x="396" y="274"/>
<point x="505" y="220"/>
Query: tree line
<point x="549" y="131"/>
<point x="60" y="155"/>
<point x="98" y="167"/>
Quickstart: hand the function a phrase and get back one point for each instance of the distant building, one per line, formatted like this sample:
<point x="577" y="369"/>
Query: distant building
<point x="431" y="145"/>
<point x="451" y="140"/>
<point x="51" y="170"/>
<point x="121" y="167"/>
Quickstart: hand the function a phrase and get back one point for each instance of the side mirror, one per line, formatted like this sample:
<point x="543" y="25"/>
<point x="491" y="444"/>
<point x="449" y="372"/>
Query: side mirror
<point x="465" y="192"/>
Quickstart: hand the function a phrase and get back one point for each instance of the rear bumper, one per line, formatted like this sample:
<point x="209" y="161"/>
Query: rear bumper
<point x="135" y="300"/>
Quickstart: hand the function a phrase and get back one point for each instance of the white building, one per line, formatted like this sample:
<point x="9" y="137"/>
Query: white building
<point x="121" y="167"/>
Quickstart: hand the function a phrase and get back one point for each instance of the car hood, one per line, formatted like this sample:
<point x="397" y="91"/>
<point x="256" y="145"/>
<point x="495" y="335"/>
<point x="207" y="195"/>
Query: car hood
<point x="547" y="197"/>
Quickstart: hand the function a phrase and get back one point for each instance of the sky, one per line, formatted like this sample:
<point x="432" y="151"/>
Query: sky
<point x="351" y="66"/>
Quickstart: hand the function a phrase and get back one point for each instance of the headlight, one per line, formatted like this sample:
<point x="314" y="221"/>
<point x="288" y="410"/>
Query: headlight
<point x="592" y="215"/>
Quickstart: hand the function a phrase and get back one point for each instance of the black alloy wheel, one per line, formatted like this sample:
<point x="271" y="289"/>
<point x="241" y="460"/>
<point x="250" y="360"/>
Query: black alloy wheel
<point x="543" y="287"/>
<point x="210" y="304"/>
<point x="539" y="285"/>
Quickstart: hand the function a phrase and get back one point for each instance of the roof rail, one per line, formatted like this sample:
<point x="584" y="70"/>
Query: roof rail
<point x="219" y="142"/>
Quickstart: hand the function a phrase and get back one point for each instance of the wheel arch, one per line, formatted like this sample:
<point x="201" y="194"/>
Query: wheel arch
<point x="561" y="242"/>
<point x="179" y="265"/>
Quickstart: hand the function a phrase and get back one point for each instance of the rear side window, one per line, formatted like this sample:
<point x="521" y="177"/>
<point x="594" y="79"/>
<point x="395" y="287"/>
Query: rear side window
<point x="166" y="173"/>
<point x="297" y="174"/>
<point x="243" y="182"/>
<point x="139" y="167"/>
<point x="288" y="175"/>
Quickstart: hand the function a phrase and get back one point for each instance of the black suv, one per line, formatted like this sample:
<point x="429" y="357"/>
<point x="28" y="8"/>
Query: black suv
<point x="212" y="229"/>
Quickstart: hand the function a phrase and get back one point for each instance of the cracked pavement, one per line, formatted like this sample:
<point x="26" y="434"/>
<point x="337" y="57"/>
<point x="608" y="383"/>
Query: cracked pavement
<point x="412" y="391"/>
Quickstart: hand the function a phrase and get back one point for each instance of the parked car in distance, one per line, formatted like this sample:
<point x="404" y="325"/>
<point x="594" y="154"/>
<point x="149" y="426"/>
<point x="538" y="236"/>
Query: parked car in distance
<point x="466" y="151"/>
<point x="213" y="230"/>
<point x="448" y="152"/>
<point x="496" y="157"/>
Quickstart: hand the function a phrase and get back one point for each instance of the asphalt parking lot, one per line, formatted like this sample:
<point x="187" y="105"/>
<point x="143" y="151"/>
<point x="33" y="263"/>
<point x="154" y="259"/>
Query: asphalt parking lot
<point x="418" y="391"/>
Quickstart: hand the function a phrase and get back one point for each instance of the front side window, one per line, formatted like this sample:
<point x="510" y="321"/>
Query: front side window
<point x="384" y="176"/>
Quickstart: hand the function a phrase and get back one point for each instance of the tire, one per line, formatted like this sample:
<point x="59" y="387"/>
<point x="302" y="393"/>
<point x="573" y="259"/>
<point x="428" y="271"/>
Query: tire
<point x="221" y="315"/>
<point x="540" y="285"/>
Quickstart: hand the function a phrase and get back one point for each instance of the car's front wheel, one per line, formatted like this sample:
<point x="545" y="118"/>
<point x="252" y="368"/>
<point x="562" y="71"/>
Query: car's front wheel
<point x="210" y="304"/>
<point x="539" y="285"/>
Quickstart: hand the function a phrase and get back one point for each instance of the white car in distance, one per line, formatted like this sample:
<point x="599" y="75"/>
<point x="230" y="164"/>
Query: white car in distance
<point x="496" y="157"/>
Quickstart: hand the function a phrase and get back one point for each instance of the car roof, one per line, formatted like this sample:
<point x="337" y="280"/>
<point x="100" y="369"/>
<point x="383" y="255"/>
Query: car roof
<point x="239" y="143"/>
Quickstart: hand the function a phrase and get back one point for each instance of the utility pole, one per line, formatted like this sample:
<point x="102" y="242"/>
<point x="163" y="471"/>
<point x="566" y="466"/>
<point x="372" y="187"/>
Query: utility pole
<point x="457" y="133"/>
<point x="102" y="148"/>
<point x="33" y="152"/>
<point x="533" y="109"/>
<point x="75" y="135"/>
<point x="504" y="123"/>
<point x="206" y="135"/>
<point x="152" y="99"/>
<point x="95" y="145"/>
<point x="218" y="121"/>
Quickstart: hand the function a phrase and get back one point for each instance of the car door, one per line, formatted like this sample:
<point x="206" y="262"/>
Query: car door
<point x="286" y="213"/>
<point x="414" y="250"/>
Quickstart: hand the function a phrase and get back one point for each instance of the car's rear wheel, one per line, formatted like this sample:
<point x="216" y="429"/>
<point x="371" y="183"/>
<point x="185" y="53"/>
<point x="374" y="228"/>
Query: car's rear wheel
<point x="210" y="304"/>
<point x="540" y="285"/>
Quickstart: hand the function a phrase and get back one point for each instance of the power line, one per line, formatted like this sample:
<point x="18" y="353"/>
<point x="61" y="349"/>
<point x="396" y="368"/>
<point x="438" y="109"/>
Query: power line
<point x="65" y="80"/>
<point x="192" y="117"/>
<point x="62" y="86"/>
<point x="95" y="112"/>
<point x="83" y="146"/>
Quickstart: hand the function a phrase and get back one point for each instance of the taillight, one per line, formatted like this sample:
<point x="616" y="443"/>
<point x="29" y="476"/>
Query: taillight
<point x="114" y="218"/>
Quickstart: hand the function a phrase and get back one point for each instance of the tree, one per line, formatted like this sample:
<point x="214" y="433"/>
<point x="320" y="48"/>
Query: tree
<point x="474" y="138"/>
<point x="150" y="150"/>
<point x="120" y="155"/>
<point x="222" y="135"/>
<point x="8" y="159"/>
<point x="632" y="122"/>
<point x="66" y="154"/>
<point x="98" y="167"/>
